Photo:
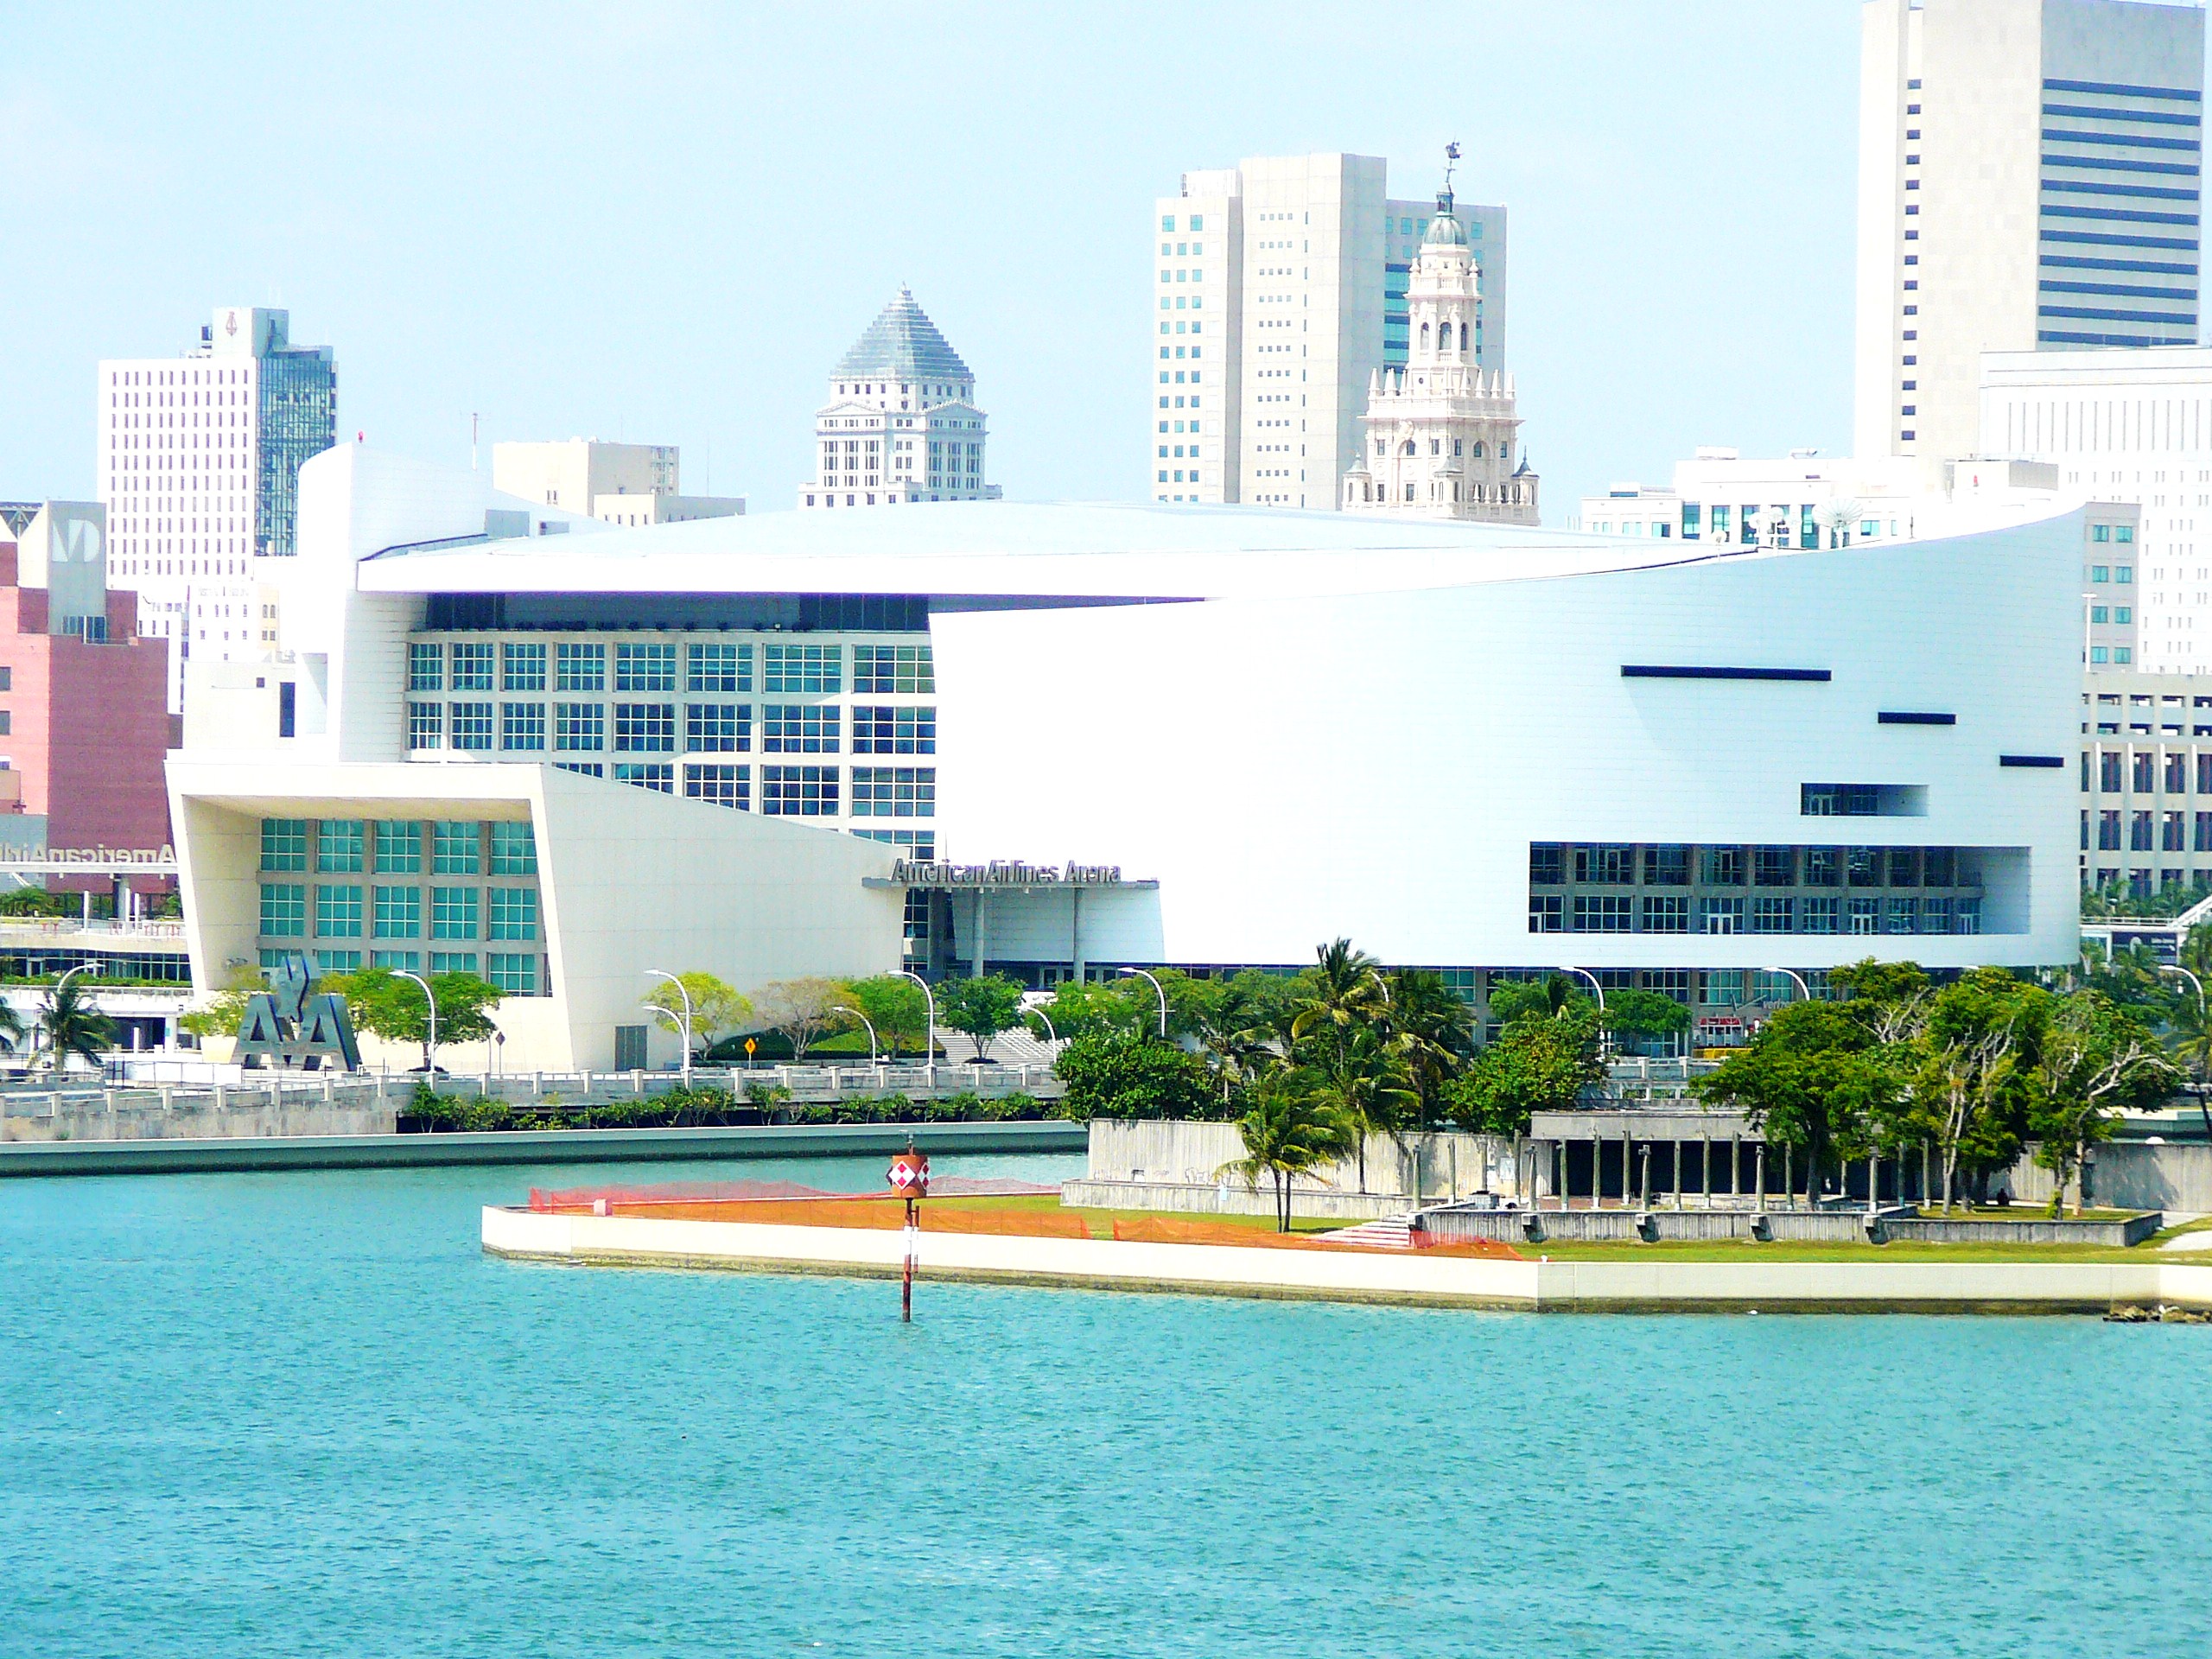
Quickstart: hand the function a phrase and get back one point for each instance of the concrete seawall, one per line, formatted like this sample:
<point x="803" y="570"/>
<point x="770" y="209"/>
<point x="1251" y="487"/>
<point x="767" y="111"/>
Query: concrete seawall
<point x="1356" y="1275"/>
<point x="154" y="1157"/>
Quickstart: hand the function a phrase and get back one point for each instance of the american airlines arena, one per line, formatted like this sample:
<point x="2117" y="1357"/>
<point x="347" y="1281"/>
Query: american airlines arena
<point x="1055" y="740"/>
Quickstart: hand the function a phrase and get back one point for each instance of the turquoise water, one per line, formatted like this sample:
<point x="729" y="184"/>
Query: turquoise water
<point x="247" y="1414"/>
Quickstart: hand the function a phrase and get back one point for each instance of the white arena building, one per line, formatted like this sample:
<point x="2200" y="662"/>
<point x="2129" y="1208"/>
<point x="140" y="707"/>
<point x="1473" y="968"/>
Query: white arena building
<point x="1066" y="738"/>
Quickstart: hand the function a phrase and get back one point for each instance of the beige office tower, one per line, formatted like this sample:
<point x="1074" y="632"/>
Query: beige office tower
<point x="1281" y="293"/>
<point x="2028" y="180"/>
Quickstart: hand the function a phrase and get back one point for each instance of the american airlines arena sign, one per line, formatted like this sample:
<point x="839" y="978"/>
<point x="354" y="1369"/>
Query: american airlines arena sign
<point x="1005" y="874"/>
<point x="161" y="860"/>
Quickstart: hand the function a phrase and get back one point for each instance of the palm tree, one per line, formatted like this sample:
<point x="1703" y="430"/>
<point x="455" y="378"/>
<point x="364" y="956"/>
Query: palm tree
<point x="72" y="1025"/>
<point x="1429" y="1030"/>
<point x="11" y="1027"/>
<point x="1288" y="1133"/>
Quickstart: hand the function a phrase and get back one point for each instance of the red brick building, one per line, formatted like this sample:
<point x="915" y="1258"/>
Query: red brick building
<point x="83" y="727"/>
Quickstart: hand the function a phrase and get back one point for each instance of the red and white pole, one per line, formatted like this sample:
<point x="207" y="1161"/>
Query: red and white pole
<point x="906" y="1288"/>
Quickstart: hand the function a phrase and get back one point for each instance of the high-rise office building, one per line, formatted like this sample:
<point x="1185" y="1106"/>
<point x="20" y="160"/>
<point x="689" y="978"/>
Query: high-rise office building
<point x="621" y="483"/>
<point x="2028" y="179"/>
<point x="1281" y="290"/>
<point x="198" y="467"/>
<point x="901" y="423"/>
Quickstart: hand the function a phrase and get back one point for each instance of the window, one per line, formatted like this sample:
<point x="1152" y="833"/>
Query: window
<point x="647" y="774"/>
<point x="453" y="913"/>
<point x="644" y="668"/>
<point x="1770" y="915"/>
<point x="472" y="666"/>
<point x="1666" y="867"/>
<point x="1546" y="910"/>
<point x="2109" y="772"/>
<point x="1776" y="866"/>
<point x="1547" y="864"/>
<point x="1967" y="916"/>
<point x="399" y="846"/>
<point x="425" y="667"/>
<point x="1667" y="914"/>
<point x="514" y="850"/>
<point x="645" y="727"/>
<point x="719" y="668"/>
<point x="579" y="725"/>
<point x="453" y="962"/>
<point x="1862" y="867"/>
<point x="1606" y="865"/>
<point x="798" y="728"/>
<point x="338" y="910"/>
<point x="283" y="843"/>
<point x="410" y="959"/>
<point x="1724" y="987"/>
<point x="426" y="725"/>
<point x="513" y="913"/>
<point x="807" y="669"/>
<point x="522" y="726"/>
<point x="718" y="727"/>
<point x="729" y="786"/>
<point x="284" y="910"/>
<point x="798" y="791"/>
<point x="1897" y="914"/>
<point x="1935" y="915"/>
<point x="1823" y="866"/>
<point x="2139" y="832"/>
<point x="1721" y="867"/>
<point x="885" y="728"/>
<point x="1861" y="914"/>
<point x="1819" y="915"/>
<point x="339" y="843"/>
<point x="514" y="973"/>
<point x="398" y="912"/>
<point x="453" y="849"/>
<point x="894" y="791"/>
<point x="2172" y="833"/>
<point x="1603" y="912"/>
<point x="2143" y="770"/>
<point x="472" y="726"/>
<point x="2108" y="831"/>
<point x="337" y="961"/>
<point x="1720" y="915"/>
<point x="522" y="668"/>
<point x="580" y="668"/>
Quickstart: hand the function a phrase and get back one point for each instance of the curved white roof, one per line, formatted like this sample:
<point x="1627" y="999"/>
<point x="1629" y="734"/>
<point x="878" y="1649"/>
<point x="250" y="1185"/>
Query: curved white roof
<point x="1018" y="548"/>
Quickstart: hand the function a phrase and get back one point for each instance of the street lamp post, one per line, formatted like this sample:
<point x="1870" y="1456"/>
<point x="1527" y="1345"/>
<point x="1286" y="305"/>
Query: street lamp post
<point x="865" y="1020"/>
<point x="1157" y="991"/>
<point x="684" y="992"/>
<point x="1604" y="1038"/>
<point x="430" y="1059"/>
<point x="928" y="1049"/>
<point x="1797" y="979"/>
<point x="1050" y="1035"/>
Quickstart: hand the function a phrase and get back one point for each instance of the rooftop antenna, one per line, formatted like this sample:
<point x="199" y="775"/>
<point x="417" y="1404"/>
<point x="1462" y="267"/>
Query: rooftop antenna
<point x="472" y="440"/>
<point x="1451" y="159"/>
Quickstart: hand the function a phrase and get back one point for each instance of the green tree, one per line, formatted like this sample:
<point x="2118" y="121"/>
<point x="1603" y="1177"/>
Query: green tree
<point x="71" y="1025"/>
<point x="223" y="1013"/>
<point x="1815" y="1078"/>
<point x="37" y="901"/>
<point x="716" y="1007"/>
<point x="896" y="1008"/>
<point x="1635" y="1012"/>
<point x="1109" y="1075"/>
<point x="1288" y="1131"/>
<point x="2096" y="1061"/>
<point x="1536" y="1064"/>
<point x="382" y="1003"/>
<point x="1548" y="998"/>
<point x="1977" y="1050"/>
<point x="980" y="1008"/>
<point x="1429" y="1030"/>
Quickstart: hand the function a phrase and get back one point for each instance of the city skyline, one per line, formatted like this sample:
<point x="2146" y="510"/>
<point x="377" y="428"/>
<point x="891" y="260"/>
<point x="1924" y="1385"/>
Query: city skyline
<point x="606" y="272"/>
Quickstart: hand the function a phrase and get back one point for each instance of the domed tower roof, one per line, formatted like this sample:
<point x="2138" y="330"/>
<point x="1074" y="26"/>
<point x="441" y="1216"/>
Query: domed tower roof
<point x="901" y="344"/>
<point x="1445" y="231"/>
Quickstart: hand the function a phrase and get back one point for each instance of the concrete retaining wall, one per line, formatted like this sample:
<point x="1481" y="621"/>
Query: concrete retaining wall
<point x="2173" y="1176"/>
<point x="1175" y="1153"/>
<point x="75" y="1121"/>
<point x="1356" y="1275"/>
<point x="528" y="1146"/>
<point x="2027" y="1230"/>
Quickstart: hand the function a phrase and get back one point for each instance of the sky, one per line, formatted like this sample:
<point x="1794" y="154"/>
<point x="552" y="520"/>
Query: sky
<point x="664" y="222"/>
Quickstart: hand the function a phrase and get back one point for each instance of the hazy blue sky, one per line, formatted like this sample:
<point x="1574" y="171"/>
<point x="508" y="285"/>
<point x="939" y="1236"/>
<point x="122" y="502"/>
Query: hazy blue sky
<point x="663" y="222"/>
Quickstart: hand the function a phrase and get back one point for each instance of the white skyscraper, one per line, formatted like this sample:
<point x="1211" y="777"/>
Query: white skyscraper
<point x="901" y="423"/>
<point x="2028" y="179"/>
<point x="621" y="483"/>
<point x="1442" y="436"/>
<point x="199" y="466"/>
<point x="1281" y="290"/>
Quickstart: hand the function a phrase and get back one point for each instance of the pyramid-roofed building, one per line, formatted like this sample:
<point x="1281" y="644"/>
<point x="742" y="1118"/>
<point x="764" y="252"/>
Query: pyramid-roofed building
<point x="901" y="423"/>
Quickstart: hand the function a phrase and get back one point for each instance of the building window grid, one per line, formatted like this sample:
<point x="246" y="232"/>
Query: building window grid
<point x="1757" y="868"/>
